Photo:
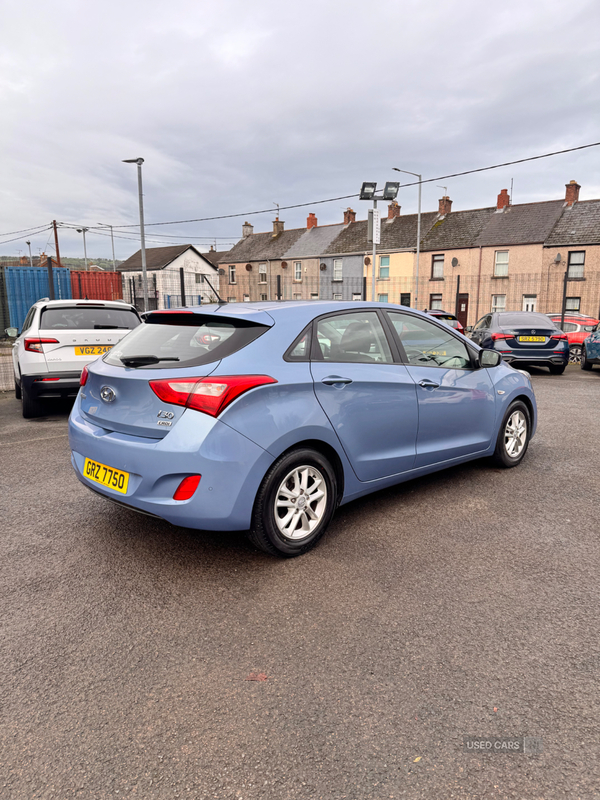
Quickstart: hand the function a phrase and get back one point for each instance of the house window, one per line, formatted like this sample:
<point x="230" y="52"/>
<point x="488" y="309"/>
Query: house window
<point x="384" y="267"/>
<point x="382" y="298"/>
<point x="297" y="270"/>
<point x="297" y="296"/>
<point x="337" y="270"/>
<point x="262" y="273"/>
<point x="576" y="263"/>
<point x="199" y="277"/>
<point x="356" y="296"/>
<point x="498" y="303"/>
<point x="232" y="273"/>
<point x="263" y="298"/>
<point x="246" y="298"/>
<point x="530" y="302"/>
<point x="337" y="296"/>
<point x="573" y="303"/>
<point x="314" y="295"/>
<point x="435" y="301"/>
<point x="231" y="300"/>
<point x="501" y="264"/>
<point x="405" y="299"/>
<point x="437" y="267"/>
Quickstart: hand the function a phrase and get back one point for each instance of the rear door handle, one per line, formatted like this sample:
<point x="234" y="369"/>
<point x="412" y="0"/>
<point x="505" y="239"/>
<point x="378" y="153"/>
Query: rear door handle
<point x="429" y="384"/>
<point x="331" y="380"/>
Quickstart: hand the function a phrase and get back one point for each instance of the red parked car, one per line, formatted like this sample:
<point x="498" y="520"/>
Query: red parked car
<point x="449" y="319"/>
<point x="577" y="327"/>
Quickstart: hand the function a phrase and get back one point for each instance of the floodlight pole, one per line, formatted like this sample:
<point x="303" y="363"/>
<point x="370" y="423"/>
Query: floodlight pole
<point x="139" y="162"/>
<point x="420" y="177"/>
<point x="374" y="251"/>
<point x="112" y="241"/>
<point x="84" y="231"/>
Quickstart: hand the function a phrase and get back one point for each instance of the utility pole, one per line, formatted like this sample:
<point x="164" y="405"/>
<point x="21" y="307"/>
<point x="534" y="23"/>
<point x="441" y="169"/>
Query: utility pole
<point x="84" y="231"/>
<point x="58" y="264"/>
<point x="28" y="243"/>
<point x="112" y="241"/>
<point x="139" y="162"/>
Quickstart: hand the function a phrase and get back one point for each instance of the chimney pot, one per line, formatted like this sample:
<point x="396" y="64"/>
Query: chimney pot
<point x="503" y="200"/>
<point x="572" y="193"/>
<point x="311" y="221"/>
<point x="445" y="206"/>
<point x="349" y="216"/>
<point x="393" y="210"/>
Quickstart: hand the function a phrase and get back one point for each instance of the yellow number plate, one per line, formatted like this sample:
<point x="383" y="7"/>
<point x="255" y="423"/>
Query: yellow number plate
<point x="93" y="350"/>
<point x="107" y="476"/>
<point x="532" y="338"/>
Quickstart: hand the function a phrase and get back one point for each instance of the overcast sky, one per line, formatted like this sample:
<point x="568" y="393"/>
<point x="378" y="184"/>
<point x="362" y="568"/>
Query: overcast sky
<point x="237" y="105"/>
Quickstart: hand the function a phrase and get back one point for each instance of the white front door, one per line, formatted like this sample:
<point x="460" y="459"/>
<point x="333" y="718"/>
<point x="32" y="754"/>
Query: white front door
<point x="529" y="302"/>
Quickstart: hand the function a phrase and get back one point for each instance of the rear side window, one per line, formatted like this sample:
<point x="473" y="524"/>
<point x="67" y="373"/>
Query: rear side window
<point x="185" y="340"/>
<point x="87" y="318"/>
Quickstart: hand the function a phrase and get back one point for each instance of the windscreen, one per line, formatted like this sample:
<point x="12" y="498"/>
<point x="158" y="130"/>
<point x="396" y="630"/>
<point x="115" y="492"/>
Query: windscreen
<point x="182" y="340"/>
<point x="79" y="318"/>
<point x="526" y="319"/>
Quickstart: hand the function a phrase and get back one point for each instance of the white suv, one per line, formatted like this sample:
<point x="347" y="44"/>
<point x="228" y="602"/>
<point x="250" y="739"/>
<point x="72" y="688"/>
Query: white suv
<point x="59" y="337"/>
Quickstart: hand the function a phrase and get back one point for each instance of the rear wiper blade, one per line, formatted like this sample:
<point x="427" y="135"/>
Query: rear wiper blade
<point x="143" y="361"/>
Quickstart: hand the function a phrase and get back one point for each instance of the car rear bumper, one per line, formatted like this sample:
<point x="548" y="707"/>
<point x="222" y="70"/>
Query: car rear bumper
<point x="231" y="466"/>
<point x="54" y="385"/>
<point x="512" y="358"/>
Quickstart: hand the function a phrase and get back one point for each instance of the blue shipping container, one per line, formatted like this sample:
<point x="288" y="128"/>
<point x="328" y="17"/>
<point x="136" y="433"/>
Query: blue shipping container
<point x="26" y="285"/>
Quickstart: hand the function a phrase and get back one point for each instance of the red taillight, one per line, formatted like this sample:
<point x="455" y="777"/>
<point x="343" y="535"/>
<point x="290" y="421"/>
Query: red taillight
<point x="496" y="336"/>
<point x="84" y="376"/>
<point x="209" y="395"/>
<point x="35" y="345"/>
<point x="187" y="487"/>
<point x="559" y="336"/>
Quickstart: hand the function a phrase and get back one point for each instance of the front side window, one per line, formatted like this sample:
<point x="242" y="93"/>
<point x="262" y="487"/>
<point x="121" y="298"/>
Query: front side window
<point x="501" y="264"/>
<point x="568" y="327"/>
<point x="337" y="269"/>
<point x="384" y="267"/>
<point x="429" y="345"/>
<point x="498" y="303"/>
<point x="573" y="303"/>
<point x="576" y="263"/>
<point x="437" y="267"/>
<point x="297" y="270"/>
<point x="232" y="273"/>
<point x="356" y="337"/>
<point x="262" y="273"/>
<point x="435" y="301"/>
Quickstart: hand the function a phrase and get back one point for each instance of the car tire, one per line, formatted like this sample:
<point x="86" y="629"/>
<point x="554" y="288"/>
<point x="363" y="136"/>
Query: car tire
<point x="299" y="474"/>
<point x="17" y="390"/>
<point x="584" y="363"/>
<point x="515" y="418"/>
<point x="555" y="369"/>
<point x="30" y="407"/>
<point x="575" y="354"/>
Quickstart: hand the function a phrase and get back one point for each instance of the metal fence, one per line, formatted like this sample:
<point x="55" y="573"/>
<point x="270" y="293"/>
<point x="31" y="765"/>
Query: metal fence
<point x="468" y="296"/>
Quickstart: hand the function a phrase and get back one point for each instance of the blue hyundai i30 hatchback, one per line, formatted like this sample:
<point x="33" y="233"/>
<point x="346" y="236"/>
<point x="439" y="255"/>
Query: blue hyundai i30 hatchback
<point x="266" y="417"/>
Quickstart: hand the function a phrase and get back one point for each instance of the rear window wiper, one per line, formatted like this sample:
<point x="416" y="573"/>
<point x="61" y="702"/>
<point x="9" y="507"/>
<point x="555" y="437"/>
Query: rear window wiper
<point x="143" y="361"/>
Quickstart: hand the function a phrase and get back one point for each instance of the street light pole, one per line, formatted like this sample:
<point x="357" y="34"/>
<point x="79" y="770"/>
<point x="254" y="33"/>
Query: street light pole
<point x="139" y="162"/>
<point x="420" y="177"/>
<point x="84" y="231"/>
<point x="374" y="251"/>
<point x="112" y="241"/>
<point x="30" y="258"/>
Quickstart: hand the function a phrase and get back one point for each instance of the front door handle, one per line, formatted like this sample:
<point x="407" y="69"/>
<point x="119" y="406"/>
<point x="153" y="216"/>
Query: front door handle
<point x="429" y="384"/>
<point x="331" y="380"/>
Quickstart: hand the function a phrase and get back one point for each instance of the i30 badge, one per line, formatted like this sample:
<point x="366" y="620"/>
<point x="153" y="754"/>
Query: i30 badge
<point x="107" y="394"/>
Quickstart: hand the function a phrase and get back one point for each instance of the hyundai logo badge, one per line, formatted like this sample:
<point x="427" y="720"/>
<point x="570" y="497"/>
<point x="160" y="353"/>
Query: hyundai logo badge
<point x="107" y="394"/>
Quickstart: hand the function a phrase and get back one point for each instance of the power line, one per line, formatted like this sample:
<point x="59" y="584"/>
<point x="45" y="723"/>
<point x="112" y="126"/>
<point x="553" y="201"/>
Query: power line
<point x="24" y="230"/>
<point x="351" y="196"/>
<point x="18" y="238"/>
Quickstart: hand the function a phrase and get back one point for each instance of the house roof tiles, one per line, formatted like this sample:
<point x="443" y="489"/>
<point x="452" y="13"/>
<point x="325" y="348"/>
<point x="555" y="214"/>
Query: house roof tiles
<point x="262" y="247"/>
<point x="457" y="229"/>
<point x="399" y="233"/>
<point x="314" y="241"/>
<point x="529" y="223"/>
<point x="579" y="224"/>
<point x="156" y="257"/>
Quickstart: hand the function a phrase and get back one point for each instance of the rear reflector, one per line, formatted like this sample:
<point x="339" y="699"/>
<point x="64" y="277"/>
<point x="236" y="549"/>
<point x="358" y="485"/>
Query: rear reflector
<point x="46" y="379"/>
<point x="209" y="395"/>
<point x="187" y="487"/>
<point x="35" y="345"/>
<point x="84" y="376"/>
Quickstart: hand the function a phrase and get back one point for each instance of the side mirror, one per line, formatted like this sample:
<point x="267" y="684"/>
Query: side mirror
<point x="469" y="329"/>
<point x="489" y="358"/>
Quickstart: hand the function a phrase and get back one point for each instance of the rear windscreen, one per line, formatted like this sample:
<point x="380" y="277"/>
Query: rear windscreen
<point x="185" y="340"/>
<point x="526" y="320"/>
<point x="79" y="318"/>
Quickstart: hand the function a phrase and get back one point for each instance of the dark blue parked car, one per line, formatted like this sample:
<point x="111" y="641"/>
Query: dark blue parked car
<point x="524" y="338"/>
<point x="590" y="352"/>
<point x="268" y="416"/>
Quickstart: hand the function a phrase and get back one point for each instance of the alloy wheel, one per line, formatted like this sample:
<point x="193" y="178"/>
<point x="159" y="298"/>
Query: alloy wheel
<point x="515" y="434"/>
<point x="300" y="502"/>
<point x="575" y="354"/>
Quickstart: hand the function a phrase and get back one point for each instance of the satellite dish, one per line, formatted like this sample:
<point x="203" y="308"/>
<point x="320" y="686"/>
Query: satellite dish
<point x="248" y="267"/>
<point x="221" y="271"/>
<point x="284" y="264"/>
<point x="367" y="261"/>
<point x="558" y="259"/>
<point x="455" y="262"/>
<point x="323" y="267"/>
